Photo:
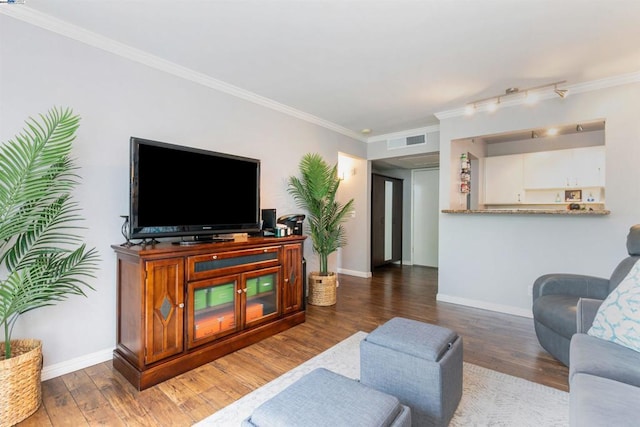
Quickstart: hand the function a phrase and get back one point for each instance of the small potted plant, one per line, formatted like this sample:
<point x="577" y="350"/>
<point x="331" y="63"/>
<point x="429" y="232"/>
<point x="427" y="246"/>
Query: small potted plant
<point x="42" y="260"/>
<point x="315" y="191"/>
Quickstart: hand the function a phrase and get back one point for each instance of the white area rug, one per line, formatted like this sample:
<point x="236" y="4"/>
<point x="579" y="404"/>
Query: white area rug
<point x="489" y="398"/>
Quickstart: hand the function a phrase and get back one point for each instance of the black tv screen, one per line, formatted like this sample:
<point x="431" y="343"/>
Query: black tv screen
<point x="183" y="191"/>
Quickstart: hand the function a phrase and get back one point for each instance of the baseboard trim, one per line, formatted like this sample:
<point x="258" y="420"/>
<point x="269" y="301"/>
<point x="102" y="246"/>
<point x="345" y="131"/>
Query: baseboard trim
<point x="75" y="364"/>
<point x="506" y="309"/>
<point x="365" y="274"/>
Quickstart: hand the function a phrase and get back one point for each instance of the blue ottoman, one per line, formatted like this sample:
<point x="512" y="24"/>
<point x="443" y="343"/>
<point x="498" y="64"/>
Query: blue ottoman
<point x="325" y="399"/>
<point x="419" y="363"/>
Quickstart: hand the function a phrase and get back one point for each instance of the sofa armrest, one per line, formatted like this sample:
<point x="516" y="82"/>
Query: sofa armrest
<point x="586" y="312"/>
<point x="595" y="356"/>
<point x="571" y="284"/>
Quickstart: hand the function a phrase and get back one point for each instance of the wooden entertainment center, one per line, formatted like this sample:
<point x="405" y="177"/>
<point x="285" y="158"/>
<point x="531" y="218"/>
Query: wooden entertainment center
<point x="179" y="307"/>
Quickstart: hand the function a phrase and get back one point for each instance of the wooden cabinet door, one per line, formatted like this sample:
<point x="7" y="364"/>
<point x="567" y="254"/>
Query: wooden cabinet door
<point x="293" y="281"/>
<point x="213" y="308"/>
<point x="164" y="308"/>
<point x="503" y="180"/>
<point x="262" y="296"/>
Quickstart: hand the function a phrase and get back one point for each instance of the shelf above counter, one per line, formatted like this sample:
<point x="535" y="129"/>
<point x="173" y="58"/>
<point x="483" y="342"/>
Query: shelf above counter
<point x="527" y="212"/>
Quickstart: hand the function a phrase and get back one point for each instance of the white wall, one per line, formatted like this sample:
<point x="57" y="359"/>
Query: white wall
<point x="424" y="217"/>
<point x="547" y="143"/>
<point x="118" y="98"/>
<point x="351" y="258"/>
<point x="489" y="261"/>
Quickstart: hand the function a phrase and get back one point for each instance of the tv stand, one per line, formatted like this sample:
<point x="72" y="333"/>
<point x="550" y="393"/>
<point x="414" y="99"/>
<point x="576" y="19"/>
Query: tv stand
<point x="202" y="240"/>
<point x="180" y="307"/>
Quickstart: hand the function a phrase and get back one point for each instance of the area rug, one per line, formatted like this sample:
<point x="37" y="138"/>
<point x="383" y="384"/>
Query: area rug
<point x="489" y="398"/>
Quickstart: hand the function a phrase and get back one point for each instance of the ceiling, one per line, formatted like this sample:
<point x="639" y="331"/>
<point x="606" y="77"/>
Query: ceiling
<point x="384" y="65"/>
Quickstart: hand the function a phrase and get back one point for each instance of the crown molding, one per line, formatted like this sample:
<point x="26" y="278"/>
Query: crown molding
<point x="47" y="22"/>
<point x="589" y="86"/>
<point x="403" y="133"/>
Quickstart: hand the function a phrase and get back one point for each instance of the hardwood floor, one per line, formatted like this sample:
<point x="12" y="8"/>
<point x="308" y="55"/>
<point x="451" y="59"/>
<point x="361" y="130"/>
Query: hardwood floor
<point x="100" y="396"/>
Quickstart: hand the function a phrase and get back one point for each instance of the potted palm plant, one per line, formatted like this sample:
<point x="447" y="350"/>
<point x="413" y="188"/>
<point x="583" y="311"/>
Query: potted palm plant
<point x="315" y="192"/>
<point x="42" y="259"/>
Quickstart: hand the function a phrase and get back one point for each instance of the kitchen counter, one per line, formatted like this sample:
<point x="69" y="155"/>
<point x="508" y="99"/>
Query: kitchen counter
<point x="526" y="211"/>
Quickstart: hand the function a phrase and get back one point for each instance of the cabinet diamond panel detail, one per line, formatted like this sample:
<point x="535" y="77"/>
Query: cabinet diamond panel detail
<point x="165" y="308"/>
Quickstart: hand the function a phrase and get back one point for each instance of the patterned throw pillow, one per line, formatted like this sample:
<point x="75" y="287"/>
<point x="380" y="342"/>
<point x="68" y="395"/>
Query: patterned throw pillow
<point x="618" y="318"/>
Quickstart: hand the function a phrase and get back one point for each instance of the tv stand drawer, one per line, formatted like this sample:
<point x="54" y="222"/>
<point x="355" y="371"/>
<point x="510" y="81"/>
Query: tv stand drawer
<point x="217" y="263"/>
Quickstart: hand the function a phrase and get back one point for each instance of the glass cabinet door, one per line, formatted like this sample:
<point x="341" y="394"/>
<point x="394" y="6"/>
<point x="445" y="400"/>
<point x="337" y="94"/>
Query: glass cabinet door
<point x="213" y="309"/>
<point x="261" y="290"/>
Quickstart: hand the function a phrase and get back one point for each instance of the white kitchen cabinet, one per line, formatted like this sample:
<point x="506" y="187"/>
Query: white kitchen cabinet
<point x="587" y="166"/>
<point x="503" y="180"/>
<point x="573" y="168"/>
<point x="546" y="169"/>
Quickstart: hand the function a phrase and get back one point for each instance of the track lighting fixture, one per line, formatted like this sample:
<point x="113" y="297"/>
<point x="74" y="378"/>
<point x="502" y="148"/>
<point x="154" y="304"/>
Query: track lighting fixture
<point x="530" y="96"/>
<point x="579" y="128"/>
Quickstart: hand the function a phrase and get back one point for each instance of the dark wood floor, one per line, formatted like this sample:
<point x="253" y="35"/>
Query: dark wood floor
<point x="100" y="396"/>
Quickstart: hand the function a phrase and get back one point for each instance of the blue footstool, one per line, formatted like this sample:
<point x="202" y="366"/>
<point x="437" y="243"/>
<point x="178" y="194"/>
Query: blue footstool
<point x="323" y="398"/>
<point x="419" y="363"/>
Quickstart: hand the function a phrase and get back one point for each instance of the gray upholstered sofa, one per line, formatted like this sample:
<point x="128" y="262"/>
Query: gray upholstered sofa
<point x="604" y="377"/>
<point x="555" y="298"/>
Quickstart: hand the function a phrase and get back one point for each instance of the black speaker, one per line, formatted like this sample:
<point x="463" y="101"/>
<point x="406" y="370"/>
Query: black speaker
<point x="268" y="219"/>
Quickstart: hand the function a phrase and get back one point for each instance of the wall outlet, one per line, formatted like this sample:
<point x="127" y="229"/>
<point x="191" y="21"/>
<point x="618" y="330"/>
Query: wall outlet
<point x="530" y="290"/>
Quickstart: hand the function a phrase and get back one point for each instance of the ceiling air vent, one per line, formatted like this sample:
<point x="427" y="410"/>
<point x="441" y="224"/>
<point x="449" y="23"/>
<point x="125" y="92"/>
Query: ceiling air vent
<point x="406" y="141"/>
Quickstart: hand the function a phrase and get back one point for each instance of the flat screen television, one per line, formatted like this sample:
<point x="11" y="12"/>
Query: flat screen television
<point x="178" y="191"/>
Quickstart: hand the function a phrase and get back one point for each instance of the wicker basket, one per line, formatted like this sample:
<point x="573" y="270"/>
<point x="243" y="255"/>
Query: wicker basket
<point x="20" y="383"/>
<point x="322" y="289"/>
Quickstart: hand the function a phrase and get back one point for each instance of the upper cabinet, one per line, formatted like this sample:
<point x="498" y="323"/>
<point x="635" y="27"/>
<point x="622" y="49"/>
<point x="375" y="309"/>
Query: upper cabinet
<point x="503" y="180"/>
<point x="573" y="168"/>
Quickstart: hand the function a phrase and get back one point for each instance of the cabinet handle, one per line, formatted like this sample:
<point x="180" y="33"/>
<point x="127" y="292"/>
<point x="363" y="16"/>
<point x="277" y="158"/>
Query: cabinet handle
<point x="239" y="291"/>
<point x="215" y="257"/>
<point x="286" y="280"/>
<point x="245" y="290"/>
<point x="181" y="305"/>
<point x="265" y="250"/>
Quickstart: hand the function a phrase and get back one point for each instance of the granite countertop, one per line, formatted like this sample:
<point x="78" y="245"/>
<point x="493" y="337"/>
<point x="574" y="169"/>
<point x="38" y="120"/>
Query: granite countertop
<point x="527" y="211"/>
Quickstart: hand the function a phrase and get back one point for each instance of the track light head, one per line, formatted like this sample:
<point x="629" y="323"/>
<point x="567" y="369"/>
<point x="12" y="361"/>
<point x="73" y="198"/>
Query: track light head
<point x="579" y="128"/>
<point x="470" y="109"/>
<point x="562" y="93"/>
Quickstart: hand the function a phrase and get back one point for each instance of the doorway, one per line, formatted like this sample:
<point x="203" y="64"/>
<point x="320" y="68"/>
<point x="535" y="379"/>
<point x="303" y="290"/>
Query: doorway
<point x="386" y="220"/>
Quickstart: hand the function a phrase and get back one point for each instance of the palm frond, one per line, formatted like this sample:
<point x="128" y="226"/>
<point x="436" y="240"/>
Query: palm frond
<point x="38" y="219"/>
<point x="315" y="192"/>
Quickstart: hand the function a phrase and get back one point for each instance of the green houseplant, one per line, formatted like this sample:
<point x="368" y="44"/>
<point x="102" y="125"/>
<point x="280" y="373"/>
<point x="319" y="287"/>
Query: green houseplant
<point x="42" y="259"/>
<point x="315" y="192"/>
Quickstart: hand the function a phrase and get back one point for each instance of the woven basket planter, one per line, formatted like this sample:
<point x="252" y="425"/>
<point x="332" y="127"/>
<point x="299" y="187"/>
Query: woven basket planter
<point x="322" y="289"/>
<point x="20" y="382"/>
